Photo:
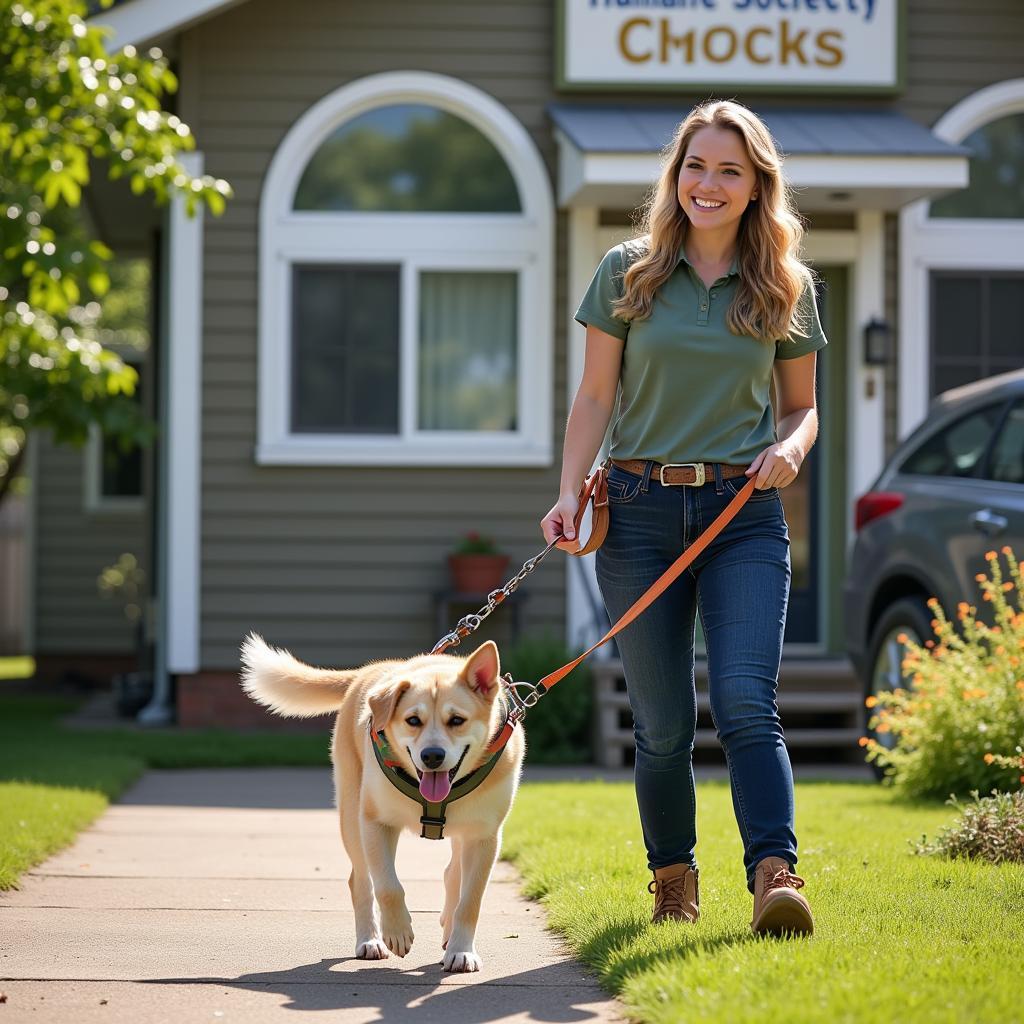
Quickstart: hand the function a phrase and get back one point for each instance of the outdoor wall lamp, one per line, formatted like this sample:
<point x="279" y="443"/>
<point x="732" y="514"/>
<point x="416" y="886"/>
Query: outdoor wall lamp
<point x="877" y="334"/>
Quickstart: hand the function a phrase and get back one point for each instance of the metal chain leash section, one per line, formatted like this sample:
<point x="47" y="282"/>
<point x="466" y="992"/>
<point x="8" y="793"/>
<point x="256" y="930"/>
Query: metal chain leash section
<point x="470" y="623"/>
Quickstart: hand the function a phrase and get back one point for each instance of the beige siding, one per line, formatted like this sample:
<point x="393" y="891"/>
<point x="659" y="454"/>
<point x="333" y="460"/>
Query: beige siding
<point x="341" y="563"/>
<point x="72" y="547"/>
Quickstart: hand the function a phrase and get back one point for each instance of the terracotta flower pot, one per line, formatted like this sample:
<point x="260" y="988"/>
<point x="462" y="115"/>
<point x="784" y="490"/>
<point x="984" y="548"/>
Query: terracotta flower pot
<point x="477" y="574"/>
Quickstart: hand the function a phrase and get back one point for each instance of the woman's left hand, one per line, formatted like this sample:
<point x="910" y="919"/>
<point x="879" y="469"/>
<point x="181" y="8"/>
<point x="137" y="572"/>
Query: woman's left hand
<point x="776" y="466"/>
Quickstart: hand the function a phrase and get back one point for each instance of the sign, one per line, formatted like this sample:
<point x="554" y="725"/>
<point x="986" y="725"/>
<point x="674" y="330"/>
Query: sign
<point x="813" y="46"/>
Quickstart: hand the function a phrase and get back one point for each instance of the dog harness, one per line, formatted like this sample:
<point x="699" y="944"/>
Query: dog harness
<point x="432" y="820"/>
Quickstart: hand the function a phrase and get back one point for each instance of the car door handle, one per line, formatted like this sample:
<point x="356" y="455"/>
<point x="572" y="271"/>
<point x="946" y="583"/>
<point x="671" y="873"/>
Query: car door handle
<point x="988" y="522"/>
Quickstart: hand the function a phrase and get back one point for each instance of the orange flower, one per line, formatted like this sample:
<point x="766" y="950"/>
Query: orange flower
<point x="901" y="638"/>
<point x="863" y="741"/>
<point x="1020" y="684"/>
<point x="980" y="578"/>
<point x="1006" y="550"/>
<point x="882" y="727"/>
<point x="870" y="702"/>
<point x="990" y="556"/>
<point x="989" y="758"/>
<point x="1007" y="586"/>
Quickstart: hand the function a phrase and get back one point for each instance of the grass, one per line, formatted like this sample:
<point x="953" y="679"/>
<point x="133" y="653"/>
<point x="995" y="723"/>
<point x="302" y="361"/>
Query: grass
<point x="898" y="936"/>
<point x="55" y="781"/>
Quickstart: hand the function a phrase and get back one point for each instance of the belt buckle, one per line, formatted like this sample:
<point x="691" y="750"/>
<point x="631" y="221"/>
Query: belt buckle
<point x="697" y="467"/>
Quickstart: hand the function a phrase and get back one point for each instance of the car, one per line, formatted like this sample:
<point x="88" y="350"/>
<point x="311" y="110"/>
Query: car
<point x="950" y="493"/>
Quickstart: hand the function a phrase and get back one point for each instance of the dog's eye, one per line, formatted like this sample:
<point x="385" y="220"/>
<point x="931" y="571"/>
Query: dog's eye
<point x="413" y="720"/>
<point x="456" y="720"/>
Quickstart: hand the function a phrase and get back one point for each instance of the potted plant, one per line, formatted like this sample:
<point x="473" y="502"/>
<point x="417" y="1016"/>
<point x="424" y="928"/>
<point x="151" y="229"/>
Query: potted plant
<point x="476" y="565"/>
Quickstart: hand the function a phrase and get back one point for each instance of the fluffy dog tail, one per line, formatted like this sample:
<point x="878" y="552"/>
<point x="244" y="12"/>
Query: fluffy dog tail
<point x="287" y="686"/>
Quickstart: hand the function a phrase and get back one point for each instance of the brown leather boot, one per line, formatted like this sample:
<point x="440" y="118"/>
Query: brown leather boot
<point x="778" y="907"/>
<point x="676" y="894"/>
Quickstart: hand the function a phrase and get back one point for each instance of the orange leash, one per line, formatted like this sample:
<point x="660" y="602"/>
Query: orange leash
<point x="660" y="585"/>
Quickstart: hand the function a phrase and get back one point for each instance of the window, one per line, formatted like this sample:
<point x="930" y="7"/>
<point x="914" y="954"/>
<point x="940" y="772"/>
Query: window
<point x="996" y="188"/>
<point x="958" y="449"/>
<point x="405" y="279"/>
<point x="114" y="476"/>
<point x="977" y="326"/>
<point x="1008" y="452"/>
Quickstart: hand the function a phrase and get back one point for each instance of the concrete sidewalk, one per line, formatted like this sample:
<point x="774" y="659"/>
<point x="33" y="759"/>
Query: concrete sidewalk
<point x="222" y="896"/>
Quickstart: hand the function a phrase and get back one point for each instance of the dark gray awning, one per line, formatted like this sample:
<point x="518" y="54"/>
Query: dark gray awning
<point x="836" y="132"/>
<point x="835" y="158"/>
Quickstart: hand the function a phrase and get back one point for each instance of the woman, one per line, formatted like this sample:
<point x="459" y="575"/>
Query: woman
<point x="687" y="323"/>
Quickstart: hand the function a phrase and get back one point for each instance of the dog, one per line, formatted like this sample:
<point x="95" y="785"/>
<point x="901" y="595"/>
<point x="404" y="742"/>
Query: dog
<point x="438" y="713"/>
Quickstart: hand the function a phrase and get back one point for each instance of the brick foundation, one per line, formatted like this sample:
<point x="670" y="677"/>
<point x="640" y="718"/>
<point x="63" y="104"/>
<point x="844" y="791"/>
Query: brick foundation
<point x="216" y="700"/>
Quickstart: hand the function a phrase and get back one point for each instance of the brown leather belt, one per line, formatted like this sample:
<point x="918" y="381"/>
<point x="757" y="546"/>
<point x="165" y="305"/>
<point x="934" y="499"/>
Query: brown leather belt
<point x="674" y="473"/>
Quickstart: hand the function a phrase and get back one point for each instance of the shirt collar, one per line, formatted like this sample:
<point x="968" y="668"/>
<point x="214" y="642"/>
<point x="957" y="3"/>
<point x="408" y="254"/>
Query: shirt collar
<point x="734" y="266"/>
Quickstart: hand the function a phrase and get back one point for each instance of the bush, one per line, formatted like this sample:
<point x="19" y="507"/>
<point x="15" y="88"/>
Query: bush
<point x="989" y="829"/>
<point x="558" y="727"/>
<point x="958" y="727"/>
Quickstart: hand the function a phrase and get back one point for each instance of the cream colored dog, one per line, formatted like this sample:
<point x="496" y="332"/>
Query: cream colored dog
<point x="439" y="713"/>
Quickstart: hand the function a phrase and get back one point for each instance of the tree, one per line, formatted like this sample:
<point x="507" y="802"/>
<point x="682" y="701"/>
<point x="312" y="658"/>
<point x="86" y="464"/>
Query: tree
<point x="63" y="100"/>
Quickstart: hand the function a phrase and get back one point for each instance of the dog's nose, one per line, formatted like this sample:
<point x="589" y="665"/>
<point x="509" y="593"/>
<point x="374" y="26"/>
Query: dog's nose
<point x="432" y="758"/>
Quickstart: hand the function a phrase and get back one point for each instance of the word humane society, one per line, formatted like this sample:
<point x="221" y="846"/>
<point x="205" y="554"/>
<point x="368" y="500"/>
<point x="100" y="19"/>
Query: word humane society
<point x="861" y="8"/>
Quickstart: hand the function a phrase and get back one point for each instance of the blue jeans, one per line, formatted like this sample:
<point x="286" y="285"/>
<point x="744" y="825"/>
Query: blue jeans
<point x="740" y="586"/>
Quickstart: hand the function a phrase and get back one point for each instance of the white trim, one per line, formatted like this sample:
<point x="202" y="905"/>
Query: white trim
<point x="182" y="449"/>
<point x="868" y="182"/>
<point x="522" y="242"/>
<point x="94" y="501"/>
<point x="968" y="244"/>
<point x="143" y="20"/>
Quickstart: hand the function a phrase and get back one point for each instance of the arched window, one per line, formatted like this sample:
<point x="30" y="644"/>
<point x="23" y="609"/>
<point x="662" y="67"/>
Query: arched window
<point x="996" y="188"/>
<point x="405" y="235"/>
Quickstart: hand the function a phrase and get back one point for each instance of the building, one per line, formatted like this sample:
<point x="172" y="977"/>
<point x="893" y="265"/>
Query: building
<point x="529" y="131"/>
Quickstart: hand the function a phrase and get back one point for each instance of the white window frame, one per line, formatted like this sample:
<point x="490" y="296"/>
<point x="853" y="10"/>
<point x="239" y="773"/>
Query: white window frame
<point x="95" y="501"/>
<point x="948" y="243"/>
<point x="520" y="242"/>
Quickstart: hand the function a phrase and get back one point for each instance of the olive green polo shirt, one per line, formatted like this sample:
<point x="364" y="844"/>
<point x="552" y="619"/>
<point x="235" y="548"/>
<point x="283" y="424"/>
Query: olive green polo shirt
<point x="690" y="390"/>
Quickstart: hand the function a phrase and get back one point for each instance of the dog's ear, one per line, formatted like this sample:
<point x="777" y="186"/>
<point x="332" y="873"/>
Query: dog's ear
<point x="384" y="700"/>
<point x="482" y="669"/>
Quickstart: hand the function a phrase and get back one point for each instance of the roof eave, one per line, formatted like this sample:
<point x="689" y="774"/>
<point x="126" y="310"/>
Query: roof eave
<point x="143" y="21"/>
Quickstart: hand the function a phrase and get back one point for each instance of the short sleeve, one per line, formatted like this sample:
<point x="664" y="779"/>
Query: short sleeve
<point x="605" y="288"/>
<point x="792" y="348"/>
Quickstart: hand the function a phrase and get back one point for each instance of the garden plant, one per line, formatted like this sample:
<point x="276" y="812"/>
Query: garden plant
<point x="959" y="726"/>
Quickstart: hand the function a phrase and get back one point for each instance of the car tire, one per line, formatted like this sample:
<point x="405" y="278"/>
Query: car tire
<point x="909" y="615"/>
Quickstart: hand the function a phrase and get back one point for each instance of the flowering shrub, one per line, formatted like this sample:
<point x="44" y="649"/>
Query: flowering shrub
<point x="960" y="725"/>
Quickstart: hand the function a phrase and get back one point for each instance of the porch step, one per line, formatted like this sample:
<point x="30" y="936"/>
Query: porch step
<point x="820" y="703"/>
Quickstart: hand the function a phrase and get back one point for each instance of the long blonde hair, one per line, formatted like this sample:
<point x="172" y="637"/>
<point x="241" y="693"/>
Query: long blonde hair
<point x="772" y="277"/>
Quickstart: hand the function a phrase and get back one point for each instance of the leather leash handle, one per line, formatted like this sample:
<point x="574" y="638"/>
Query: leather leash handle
<point x="661" y="584"/>
<point x="596" y="487"/>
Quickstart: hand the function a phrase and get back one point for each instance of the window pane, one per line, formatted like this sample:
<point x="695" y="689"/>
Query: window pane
<point x="1006" y="318"/>
<point x="345" y="349"/>
<point x="957" y="315"/>
<point x="996" y="186"/>
<point x="121" y="469"/>
<point x="405" y="158"/>
<point x="1008" y="451"/>
<point x="467" y="341"/>
<point x="958" y="449"/>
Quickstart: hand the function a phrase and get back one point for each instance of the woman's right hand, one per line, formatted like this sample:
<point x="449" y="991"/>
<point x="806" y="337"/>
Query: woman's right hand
<point x="559" y="523"/>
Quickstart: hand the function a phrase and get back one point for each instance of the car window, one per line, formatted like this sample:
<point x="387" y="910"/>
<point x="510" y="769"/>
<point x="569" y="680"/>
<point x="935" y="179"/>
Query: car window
<point x="958" y="449"/>
<point x="1008" y="451"/>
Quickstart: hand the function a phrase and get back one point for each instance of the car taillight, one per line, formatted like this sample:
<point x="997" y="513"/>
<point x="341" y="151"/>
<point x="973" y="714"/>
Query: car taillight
<point x="874" y="504"/>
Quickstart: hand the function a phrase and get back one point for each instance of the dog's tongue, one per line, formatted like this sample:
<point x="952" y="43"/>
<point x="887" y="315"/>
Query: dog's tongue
<point x="435" y="786"/>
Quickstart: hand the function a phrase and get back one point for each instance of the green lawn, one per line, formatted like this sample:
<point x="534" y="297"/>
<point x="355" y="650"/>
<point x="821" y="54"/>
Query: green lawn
<point x="55" y="781"/>
<point x="898" y="936"/>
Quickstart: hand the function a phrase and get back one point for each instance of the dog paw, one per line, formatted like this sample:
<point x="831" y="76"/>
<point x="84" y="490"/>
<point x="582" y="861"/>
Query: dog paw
<point x="464" y="963"/>
<point x="399" y="938"/>
<point x="374" y="949"/>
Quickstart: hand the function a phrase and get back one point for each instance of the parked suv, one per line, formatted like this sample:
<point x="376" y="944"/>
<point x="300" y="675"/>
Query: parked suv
<point x="952" y="491"/>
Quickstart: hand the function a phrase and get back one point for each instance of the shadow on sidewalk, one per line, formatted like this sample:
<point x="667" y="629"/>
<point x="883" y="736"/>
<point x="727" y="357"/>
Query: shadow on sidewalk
<point x="400" y="996"/>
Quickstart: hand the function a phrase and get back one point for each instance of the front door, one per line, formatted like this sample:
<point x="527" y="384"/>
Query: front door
<point x="814" y="502"/>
